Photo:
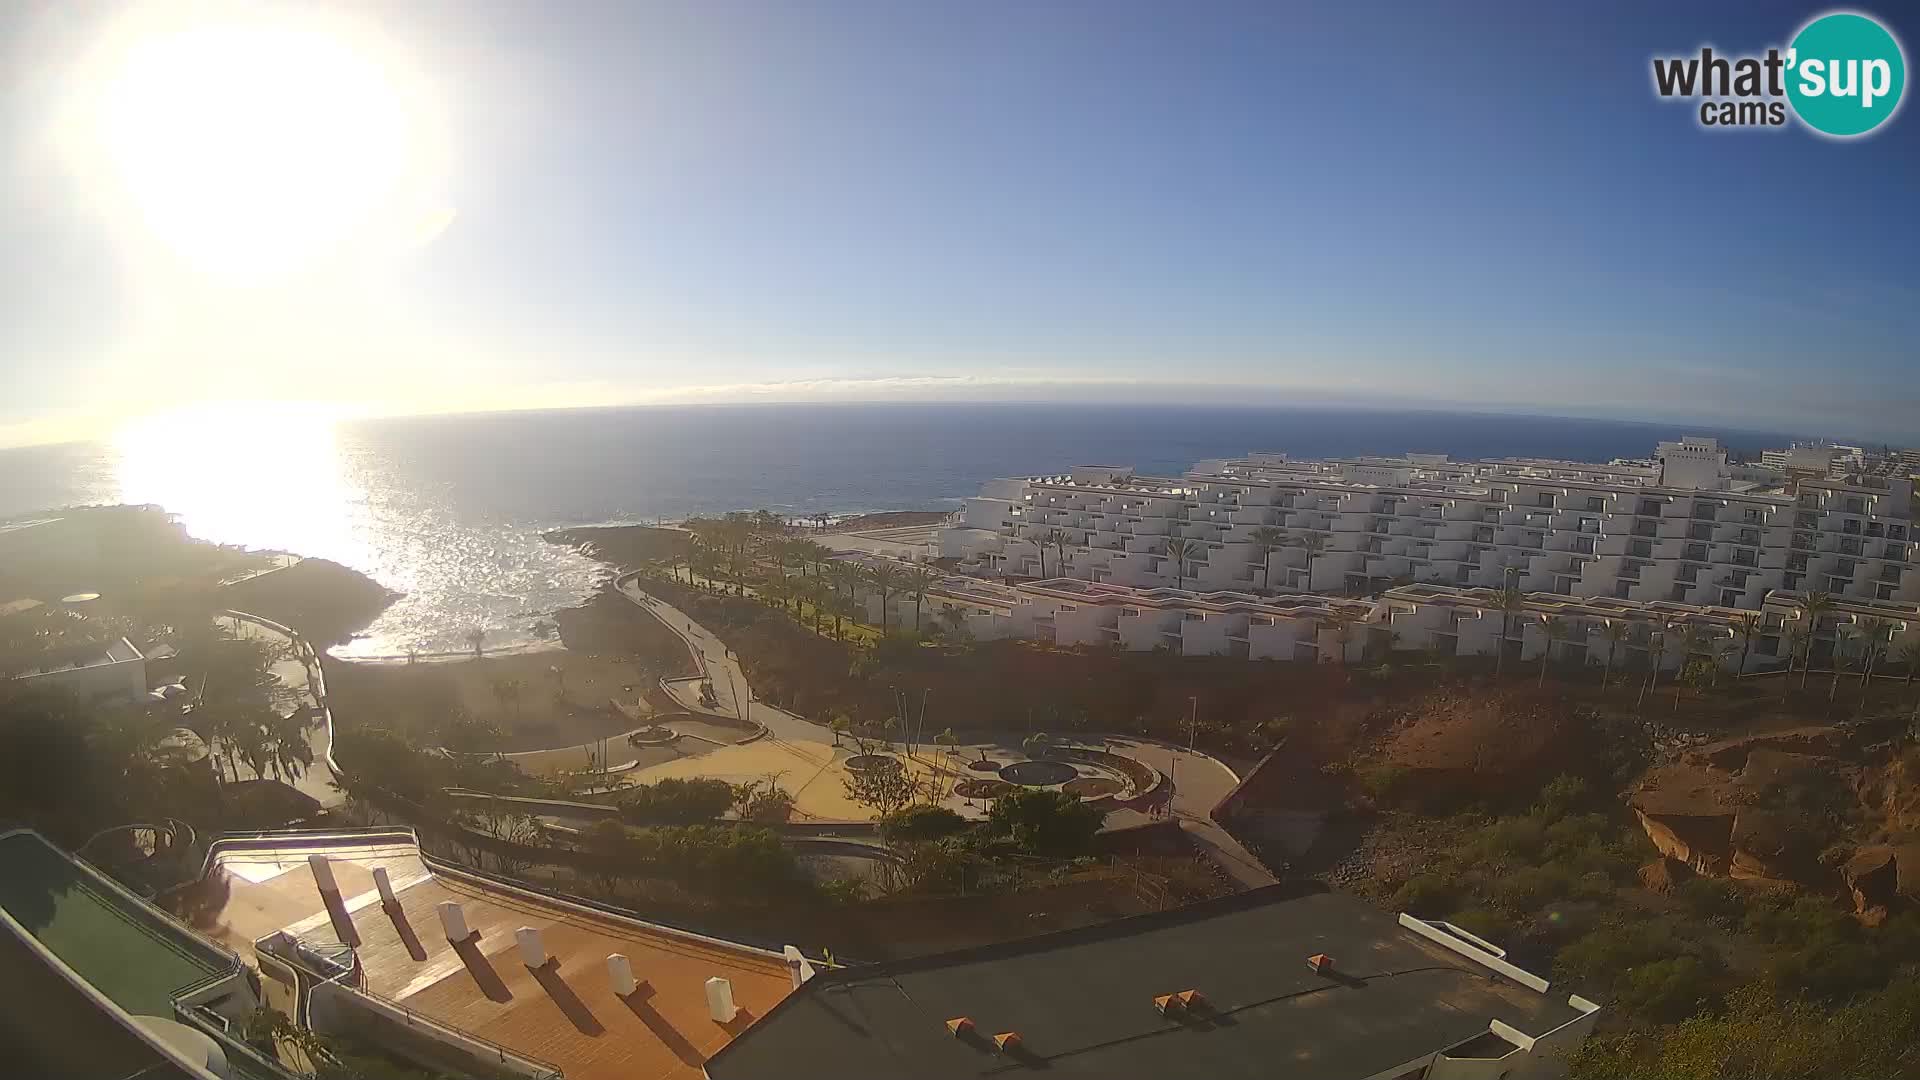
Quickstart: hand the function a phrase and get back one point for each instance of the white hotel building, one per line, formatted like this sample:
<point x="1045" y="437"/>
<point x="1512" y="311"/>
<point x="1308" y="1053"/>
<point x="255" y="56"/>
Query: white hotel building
<point x="1686" y="527"/>
<point x="1442" y="620"/>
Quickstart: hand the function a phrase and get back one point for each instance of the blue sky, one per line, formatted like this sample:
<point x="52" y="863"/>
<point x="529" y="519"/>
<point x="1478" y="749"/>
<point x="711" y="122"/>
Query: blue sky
<point x="1479" y="204"/>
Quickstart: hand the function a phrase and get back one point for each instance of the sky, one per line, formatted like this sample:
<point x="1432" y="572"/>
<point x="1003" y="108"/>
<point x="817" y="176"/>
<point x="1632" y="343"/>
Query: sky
<point x="454" y="205"/>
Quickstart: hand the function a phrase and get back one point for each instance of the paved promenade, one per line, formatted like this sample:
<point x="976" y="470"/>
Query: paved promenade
<point x="806" y="749"/>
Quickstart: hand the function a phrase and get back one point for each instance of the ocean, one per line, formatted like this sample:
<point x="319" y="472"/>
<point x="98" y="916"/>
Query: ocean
<point x="448" y="510"/>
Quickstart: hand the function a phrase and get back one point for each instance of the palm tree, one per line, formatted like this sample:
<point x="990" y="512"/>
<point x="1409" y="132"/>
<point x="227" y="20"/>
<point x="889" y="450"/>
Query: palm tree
<point x="1691" y="639"/>
<point x="842" y="574"/>
<point x="476" y="638"/>
<point x="840" y="724"/>
<point x="1873" y="646"/>
<point x="949" y="744"/>
<point x="1345" y="622"/>
<point x="1615" y="632"/>
<point x="1056" y="540"/>
<point x="954" y="617"/>
<point x="1799" y="643"/>
<point x="507" y="692"/>
<point x="1511" y="601"/>
<point x="1312" y="543"/>
<point x="1265" y="539"/>
<point x="1815" y="605"/>
<point x="815" y="554"/>
<point x="1844" y="637"/>
<point x="292" y="754"/>
<point x="1908" y="656"/>
<point x="1746" y="626"/>
<point x="919" y="579"/>
<point x="1656" y="652"/>
<point x="814" y="592"/>
<point x="1180" y="549"/>
<point x="1557" y="631"/>
<point x="1036" y="744"/>
<point x="886" y="578"/>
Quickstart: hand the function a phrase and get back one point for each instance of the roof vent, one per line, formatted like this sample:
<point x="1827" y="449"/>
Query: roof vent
<point x="455" y="920"/>
<point x="1007" y="1042"/>
<point x="533" y="951"/>
<point x="720" y="1004"/>
<point x="620" y="975"/>
<point x="1320" y="963"/>
<point x="1183" y="1001"/>
<point x="323" y="874"/>
<point x="960" y="1027"/>
<point x="385" y="884"/>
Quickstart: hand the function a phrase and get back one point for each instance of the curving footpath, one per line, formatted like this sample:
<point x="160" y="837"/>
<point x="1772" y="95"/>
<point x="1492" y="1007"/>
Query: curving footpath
<point x="1199" y="782"/>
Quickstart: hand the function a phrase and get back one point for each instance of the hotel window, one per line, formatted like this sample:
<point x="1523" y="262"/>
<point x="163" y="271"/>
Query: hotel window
<point x="1595" y="502"/>
<point x="1753" y="515"/>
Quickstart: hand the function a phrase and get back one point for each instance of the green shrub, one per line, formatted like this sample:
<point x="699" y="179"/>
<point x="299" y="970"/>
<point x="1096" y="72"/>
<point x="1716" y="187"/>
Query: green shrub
<point x="1045" y="822"/>
<point x="1562" y="796"/>
<point x="1428" y="895"/>
<point x="1668" y="990"/>
<point x="920" y="822"/>
<point x="675" y="801"/>
<point x="1760" y="1037"/>
<point x="1484" y="923"/>
<point x="1801" y="922"/>
<point x="1530" y="888"/>
<point x="1719" y="902"/>
<point x="1384" y="784"/>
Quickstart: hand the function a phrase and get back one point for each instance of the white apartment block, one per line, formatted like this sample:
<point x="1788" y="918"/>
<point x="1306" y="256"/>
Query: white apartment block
<point x="1067" y="612"/>
<point x="1686" y="527"/>
<point x="1436" y="619"/>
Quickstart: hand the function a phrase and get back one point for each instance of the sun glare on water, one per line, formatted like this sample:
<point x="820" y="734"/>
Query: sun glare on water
<point x="251" y="147"/>
<point x="267" y="475"/>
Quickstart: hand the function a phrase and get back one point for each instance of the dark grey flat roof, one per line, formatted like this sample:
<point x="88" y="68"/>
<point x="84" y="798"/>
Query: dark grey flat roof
<point x="1082" y="1001"/>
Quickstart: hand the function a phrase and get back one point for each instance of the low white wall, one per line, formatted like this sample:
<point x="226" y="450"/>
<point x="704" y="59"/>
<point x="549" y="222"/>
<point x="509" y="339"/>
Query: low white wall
<point x="333" y="1007"/>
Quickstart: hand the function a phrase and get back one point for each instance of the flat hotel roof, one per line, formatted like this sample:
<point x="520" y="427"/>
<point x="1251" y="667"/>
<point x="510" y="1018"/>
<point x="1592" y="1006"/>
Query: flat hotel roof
<point x="1082" y="1001"/>
<point x="565" y="1014"/>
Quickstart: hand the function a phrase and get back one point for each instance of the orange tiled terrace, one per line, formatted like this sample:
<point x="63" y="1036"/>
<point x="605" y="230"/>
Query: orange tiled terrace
<point x="565" y="1013"/>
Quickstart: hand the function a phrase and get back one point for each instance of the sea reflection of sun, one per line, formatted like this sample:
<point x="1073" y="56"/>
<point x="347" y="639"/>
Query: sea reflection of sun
<point x="271" y="476"/>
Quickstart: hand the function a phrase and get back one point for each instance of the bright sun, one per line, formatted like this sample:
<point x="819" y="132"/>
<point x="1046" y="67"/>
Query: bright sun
<point x="252" y="149"/>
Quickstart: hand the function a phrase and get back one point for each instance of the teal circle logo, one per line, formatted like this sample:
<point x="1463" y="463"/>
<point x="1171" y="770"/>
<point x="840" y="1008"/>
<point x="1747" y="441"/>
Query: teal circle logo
<point x="1845" y="74"/>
